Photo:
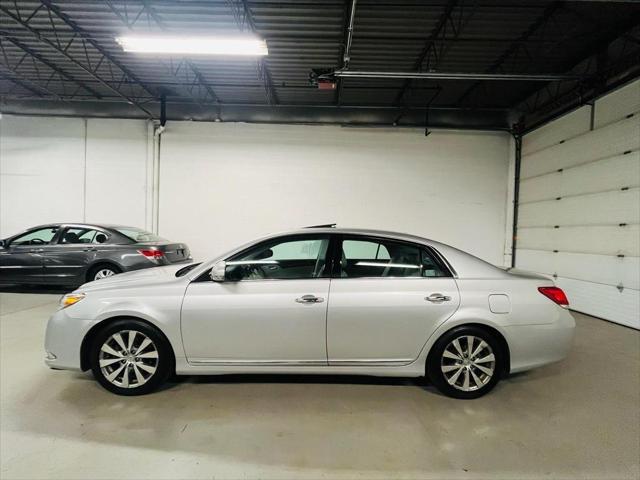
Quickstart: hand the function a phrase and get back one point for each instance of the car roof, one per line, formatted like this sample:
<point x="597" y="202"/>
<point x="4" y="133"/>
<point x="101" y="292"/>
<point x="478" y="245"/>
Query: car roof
<point x="360" y="231"/>
<point x="79" y="224"/>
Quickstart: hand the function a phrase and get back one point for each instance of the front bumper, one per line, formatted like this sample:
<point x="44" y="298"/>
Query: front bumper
<point x="63" y="340"/>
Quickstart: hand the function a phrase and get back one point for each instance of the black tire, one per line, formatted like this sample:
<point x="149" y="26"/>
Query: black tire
<point x="91" y="275"/>
<point x="163" y="364"/>
<point x="436" y="361"/>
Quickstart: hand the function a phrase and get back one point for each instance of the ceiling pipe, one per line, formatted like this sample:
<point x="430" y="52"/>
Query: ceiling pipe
<point x="453" y="76"/>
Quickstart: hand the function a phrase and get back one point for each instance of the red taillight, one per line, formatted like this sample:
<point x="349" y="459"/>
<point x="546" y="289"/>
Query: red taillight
<point x="556" y="294"/>
<point x="152" y="254"/>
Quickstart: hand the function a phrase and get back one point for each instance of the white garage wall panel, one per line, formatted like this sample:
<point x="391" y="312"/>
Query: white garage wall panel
<point x="221" y="184"/>
<point x="41" y="171"/>
<point x="55" y="169"/>
<point x="579" y="216"/>
<point x="116" y="175"/>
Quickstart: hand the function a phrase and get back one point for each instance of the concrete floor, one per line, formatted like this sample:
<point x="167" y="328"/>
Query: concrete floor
<point x="576" y="419"/>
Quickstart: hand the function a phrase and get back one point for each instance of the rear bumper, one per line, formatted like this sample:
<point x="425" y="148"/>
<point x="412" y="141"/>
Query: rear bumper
<point x="536" y="345"/>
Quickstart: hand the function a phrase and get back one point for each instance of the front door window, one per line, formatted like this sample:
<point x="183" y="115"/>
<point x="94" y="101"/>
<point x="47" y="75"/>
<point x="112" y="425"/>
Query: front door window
<point x="41" y="236"/>
<point x="291" y="259"/>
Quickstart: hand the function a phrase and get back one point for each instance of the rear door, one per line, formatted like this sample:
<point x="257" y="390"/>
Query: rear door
<point x="67" y="259"/>
<point x="387" y="297"/>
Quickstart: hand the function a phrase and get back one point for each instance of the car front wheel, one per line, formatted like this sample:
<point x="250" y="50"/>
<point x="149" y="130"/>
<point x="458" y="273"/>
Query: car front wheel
<point x="130" y="357"/>
<point x="465" y="362"/>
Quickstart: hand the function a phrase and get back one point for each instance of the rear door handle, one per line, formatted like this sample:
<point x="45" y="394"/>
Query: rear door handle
<point x="89" y="249"/>
<point x="309" y="299"/>
<point x="437" y="298"/>
<point x="36" y="250"/>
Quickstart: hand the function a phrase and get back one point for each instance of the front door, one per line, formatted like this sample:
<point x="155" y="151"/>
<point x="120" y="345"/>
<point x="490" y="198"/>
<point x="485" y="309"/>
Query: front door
<point x="386" y="300"/>
<point x="270" y="310"/>
<point x="22" y="259"/>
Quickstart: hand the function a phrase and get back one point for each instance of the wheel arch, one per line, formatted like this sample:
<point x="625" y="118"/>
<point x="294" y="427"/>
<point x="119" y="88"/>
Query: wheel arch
<point x="504" y="345"/>
<point x="101" y="263"/>
<point x="85" y="346"/>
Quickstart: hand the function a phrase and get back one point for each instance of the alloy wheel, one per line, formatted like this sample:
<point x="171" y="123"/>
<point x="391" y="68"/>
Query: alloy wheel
<point x="468" y="363"/>
<point x="128" y="359"/>
<point x="104" y="273"/>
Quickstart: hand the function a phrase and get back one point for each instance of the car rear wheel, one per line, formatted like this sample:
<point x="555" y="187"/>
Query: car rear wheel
<point x="465" y="362"/>
<point x="102" y="271"/>
<point x="129" y="357"/>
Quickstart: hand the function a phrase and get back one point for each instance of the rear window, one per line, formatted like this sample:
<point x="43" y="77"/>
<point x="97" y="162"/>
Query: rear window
<point x="139" y="235"/>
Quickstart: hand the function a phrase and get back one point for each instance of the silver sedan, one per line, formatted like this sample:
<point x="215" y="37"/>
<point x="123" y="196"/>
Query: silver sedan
<point x="316" y="301"/>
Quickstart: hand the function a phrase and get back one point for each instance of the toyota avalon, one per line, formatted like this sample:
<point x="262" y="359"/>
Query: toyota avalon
<point x="316" y="301"/>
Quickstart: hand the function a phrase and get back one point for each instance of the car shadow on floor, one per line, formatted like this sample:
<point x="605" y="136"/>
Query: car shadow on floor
<point x="300" y="379"/>
<point x="36" y="289"/>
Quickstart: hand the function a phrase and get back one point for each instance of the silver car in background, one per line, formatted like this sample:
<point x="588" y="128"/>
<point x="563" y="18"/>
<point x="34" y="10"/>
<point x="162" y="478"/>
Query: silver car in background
<point x="316" y="301"/>
<point x="76" y="253"/>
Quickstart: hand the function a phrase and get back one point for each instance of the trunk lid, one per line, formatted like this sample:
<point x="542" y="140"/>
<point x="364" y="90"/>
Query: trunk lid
<point x="173" y="252"/>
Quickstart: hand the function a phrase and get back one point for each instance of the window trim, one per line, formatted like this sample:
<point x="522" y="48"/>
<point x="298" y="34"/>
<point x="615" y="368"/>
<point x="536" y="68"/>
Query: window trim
<point x="435" y="255"/>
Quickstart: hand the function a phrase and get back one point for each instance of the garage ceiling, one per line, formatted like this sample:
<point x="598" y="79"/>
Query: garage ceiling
<point x="61" y="57"/>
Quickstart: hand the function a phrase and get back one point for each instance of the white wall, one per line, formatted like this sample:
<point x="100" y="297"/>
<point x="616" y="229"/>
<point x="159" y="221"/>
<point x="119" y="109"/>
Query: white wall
<point x="579" y="216"/>
<point x="222" y="184"/>
<point x="55" y="169"/>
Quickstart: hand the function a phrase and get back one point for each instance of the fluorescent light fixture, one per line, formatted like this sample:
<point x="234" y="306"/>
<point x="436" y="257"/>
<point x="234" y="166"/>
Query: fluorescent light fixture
<point x="199" y="45"/>
<point x="252" y="262"/>
<point x="390" y="265"/>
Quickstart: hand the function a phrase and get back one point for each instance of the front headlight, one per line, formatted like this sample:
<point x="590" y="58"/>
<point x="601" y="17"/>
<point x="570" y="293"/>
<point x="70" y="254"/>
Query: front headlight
<point x="70" y="299"/>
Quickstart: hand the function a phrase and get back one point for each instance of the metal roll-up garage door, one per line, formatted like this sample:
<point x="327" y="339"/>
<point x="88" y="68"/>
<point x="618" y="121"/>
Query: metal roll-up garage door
<point x="579" y="213"/>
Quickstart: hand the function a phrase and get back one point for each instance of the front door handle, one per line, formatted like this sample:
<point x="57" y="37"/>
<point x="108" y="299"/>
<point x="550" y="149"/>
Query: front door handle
<point x="309" y="299"/>
<point x="89" y="249"/>
<point x="437" y="298"/>
<point x="36" y="250"/>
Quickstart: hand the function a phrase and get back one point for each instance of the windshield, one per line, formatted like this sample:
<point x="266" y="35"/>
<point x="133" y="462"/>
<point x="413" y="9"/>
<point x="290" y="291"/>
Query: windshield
<point x="184" y="270"/>
<point x="139" y="235"/>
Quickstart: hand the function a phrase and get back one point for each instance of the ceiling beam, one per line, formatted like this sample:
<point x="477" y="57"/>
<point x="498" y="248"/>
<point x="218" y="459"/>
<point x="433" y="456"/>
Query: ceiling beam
<point x="515" y="45"/>
<point x="616" y="62"/>
<point x="244" y="19"/>
<point x="428" y="46"/>
<point x="439" y="117"/>
<point x="77" y="29"/>
<point x="196" y="72"/>
<point x="64" y="53"/>
<point x="50" y="65"/>
<point x="20" y="80"/>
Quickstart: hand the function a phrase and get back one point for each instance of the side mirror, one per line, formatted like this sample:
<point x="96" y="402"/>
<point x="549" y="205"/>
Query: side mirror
<point x="218" y="271"/>
<point x="3" y="244"/>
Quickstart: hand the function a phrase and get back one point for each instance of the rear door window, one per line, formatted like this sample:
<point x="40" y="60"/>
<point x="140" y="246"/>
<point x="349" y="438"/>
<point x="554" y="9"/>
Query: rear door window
<point x="80" y="235"/>
<point x="386" y="258"/>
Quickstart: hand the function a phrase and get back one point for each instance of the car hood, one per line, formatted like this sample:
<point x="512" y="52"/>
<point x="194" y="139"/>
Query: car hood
<point x="147" y="276"/>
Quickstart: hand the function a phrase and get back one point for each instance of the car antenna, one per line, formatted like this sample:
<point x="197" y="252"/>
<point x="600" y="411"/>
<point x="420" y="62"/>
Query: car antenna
<point x="326" y="225"/>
